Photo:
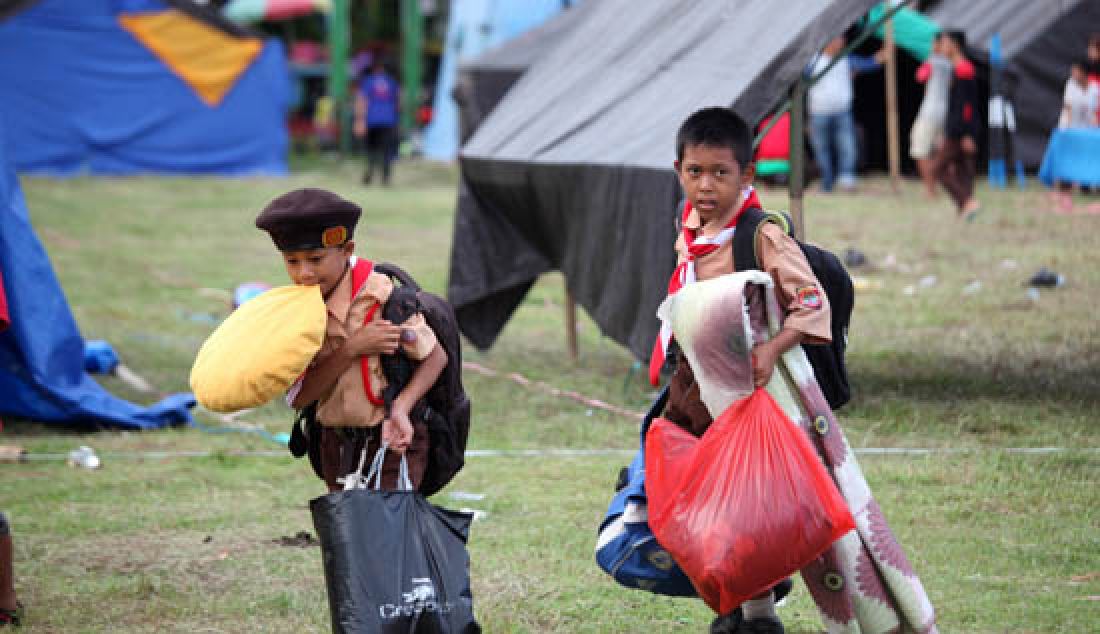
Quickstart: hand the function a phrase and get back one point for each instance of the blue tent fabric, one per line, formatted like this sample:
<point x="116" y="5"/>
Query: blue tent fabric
<point x="475" y="26"/>
<point x="42" y="375"/>
<point x="83" y="95"/>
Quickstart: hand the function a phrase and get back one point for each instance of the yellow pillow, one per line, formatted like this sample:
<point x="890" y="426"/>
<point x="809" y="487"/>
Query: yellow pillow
<point x="260" y="349"/>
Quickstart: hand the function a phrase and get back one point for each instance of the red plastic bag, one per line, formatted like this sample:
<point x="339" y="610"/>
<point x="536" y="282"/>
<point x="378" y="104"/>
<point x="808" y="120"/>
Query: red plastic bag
<point x="746" y="505"/>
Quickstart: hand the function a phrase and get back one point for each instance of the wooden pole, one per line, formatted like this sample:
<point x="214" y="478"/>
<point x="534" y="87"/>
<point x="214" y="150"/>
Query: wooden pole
<point x="797" y="180"/>
<point x="893" y="135"/>
<point x="571" y="324"/>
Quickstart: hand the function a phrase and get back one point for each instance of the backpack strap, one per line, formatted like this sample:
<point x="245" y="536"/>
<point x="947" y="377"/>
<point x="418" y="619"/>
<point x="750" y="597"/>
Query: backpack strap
<point x="748" y="231"/>
<point x="655" y="410"/>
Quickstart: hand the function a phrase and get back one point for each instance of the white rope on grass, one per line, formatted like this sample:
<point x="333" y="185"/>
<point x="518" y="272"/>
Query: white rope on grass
<point x="867" y="451"/>
<point x="546" y="388"/>
<point x="565" y="453"/>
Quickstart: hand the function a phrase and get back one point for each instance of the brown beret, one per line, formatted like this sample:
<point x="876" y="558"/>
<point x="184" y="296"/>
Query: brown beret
<point x="309" y="219"/>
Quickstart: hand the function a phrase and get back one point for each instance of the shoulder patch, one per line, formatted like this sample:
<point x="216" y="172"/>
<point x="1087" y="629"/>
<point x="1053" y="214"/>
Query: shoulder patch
<point x="809" y="297"/>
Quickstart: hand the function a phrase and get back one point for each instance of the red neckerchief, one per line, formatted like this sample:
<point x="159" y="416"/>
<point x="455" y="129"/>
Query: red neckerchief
<point x="696" y="251"/>
<point x="680" y="276"/>
<point x="359" y="274"/>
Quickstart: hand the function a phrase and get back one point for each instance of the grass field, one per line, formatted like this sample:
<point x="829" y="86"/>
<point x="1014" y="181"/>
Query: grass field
<point x="1003" y="541"/>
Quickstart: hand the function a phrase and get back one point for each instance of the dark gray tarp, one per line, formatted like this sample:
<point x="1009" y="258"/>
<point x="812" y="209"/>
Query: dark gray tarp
<point x="482" y="82"/>
<point x="1039" y="40"/>
<point x="572" y="170"/>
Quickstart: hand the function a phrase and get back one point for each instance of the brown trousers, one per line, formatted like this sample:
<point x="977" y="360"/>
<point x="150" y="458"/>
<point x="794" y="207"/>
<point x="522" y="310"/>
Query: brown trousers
<point x="955" y="169"/>
<point x="685" y="407"/>
<point x="341" y="449"/>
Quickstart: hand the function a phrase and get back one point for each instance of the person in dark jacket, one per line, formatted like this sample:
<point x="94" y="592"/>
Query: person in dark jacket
<point x="955" y="166"/>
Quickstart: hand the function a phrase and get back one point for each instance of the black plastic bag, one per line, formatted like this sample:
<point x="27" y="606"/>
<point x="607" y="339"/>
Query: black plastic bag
<point x="394" y="563"/>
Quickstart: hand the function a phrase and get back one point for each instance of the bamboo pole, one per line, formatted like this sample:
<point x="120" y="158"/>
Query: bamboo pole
<point x="797" y="180"/>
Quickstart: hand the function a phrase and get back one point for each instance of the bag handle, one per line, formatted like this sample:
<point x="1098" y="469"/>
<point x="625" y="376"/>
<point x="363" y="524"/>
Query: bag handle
<point x="356" y="479"/>
<point x="396" y="272"/>
<point x="404" y="482"/>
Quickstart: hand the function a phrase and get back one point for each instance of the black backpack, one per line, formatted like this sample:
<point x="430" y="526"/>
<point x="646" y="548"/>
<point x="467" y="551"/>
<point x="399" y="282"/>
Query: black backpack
<point x="445" y="408"/>
<point x="826" y="359"/>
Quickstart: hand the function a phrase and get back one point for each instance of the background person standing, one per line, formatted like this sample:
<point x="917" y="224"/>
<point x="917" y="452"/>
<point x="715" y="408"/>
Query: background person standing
<point x="1080" y="100"/>
<point x="832" y="127"/>
<point x="377" y="104"/>
<point x="955" y="164"/>
<point x="927" y="131"/>
<point x="1092" y="63"/>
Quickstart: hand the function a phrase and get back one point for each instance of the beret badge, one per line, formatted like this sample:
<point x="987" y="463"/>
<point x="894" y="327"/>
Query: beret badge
<point x="334" y="236"/>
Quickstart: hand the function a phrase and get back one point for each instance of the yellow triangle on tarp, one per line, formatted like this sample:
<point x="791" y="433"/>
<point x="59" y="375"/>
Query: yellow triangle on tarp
<point x="205" y="58"/>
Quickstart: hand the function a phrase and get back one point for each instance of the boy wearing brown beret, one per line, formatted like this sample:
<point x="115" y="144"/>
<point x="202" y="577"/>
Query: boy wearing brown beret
<point x="312" y="228"/>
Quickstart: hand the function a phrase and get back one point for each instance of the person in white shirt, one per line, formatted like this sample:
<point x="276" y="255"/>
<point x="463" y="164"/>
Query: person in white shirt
<point x="1079" y="104"/>
<point x="832" y="128"/>
<point x="927" y="132"/>
<point x="1079" y="110"/>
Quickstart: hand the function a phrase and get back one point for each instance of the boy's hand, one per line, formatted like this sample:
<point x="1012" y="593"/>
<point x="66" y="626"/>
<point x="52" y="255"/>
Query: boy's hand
<point x="397" y="430"/>
<point x="968" y="145"/>
<point x="764" y="356"/>
<point x="377" y="337"/>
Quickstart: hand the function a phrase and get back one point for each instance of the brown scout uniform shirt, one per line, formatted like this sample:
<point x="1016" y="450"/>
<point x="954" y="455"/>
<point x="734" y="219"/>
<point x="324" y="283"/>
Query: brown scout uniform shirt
<point x="780" y="257"/>
<point x="346" y="404"/>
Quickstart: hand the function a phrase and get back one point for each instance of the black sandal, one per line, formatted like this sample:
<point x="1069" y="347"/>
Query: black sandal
<point x="14" y="617"/>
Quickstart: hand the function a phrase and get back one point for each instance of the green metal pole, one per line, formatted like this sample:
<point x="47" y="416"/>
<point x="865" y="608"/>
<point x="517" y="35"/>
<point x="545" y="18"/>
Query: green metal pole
<point x="339" y="37"/>
<point x="412" y="47"/>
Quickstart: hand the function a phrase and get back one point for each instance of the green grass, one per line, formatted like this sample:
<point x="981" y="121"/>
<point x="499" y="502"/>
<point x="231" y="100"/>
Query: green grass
<point x="1003" y="542"/>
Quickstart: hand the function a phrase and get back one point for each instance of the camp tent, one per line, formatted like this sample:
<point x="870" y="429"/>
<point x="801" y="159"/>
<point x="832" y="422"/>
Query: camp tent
<point x="484" y="80"/>
<point x="572" y="170"/>
<point x="127" y="86"/>
<point x="473" y="27"/>
<point x="1039" y="41"/>
<point x="42" y="374"/>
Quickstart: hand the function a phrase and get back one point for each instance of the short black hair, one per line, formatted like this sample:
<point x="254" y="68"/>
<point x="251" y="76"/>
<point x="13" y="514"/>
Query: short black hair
<point x="959" y="37"/>
<point x="716" y="127"/>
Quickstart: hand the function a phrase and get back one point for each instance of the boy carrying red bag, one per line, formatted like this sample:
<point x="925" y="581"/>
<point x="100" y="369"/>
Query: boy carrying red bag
<point x="739" y="500"/>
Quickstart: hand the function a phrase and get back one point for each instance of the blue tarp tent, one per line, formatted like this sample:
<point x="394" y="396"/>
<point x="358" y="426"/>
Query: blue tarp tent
<point x="475" y="26"/>
<point x="42" y="374"/>
<point x="82" y="93"/>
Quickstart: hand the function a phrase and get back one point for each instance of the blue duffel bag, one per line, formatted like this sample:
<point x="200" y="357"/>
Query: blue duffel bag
<point x="626" y="548"/>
